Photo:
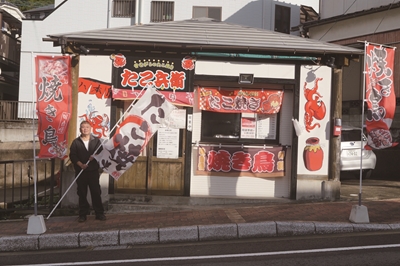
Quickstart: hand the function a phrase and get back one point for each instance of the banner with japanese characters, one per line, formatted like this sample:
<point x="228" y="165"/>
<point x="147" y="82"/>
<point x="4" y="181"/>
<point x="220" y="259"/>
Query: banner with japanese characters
<point x="254" y="162"/>
<point x="379" y="95"/>
<point x="179" y="98"/>
<point x="53" y="104"/>
<point x="94" y="101"/>
<point x="240" y="101"/>
<point x="169" y="75"/>
<point x="144" y="118"/>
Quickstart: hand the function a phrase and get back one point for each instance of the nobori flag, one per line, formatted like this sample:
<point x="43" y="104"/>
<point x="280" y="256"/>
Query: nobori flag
<point x="134" y="132"/>
<point x="53" y="103"/>
<point x="379" y="95"/>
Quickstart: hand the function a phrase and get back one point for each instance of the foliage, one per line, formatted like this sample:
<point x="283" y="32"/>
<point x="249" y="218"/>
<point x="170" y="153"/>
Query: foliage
<point x="25" y="5"/>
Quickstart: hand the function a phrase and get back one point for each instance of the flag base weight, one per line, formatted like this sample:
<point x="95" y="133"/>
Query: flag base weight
<point x="36" y="225"/>
<point x="359" y="214"/>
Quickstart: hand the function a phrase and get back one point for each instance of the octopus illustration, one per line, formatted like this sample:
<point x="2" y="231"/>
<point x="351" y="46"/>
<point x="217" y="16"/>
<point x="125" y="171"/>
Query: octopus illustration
<point x="99" y="123"/>
<point x="272" y="104"/>
<point x="314" y="107"/>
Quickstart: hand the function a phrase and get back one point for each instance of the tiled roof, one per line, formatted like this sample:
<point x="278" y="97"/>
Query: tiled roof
<point x="202" y="35"/>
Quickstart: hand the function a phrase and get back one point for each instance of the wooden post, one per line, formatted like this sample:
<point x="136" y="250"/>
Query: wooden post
<point x="336" y="100"/>
<point x="74" y="111"/>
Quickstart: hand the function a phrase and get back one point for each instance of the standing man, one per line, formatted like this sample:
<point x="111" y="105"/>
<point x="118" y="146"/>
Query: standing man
<point x="81" y="152"/>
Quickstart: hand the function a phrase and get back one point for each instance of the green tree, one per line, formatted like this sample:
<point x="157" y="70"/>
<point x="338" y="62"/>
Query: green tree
<point x="24" y="5"/>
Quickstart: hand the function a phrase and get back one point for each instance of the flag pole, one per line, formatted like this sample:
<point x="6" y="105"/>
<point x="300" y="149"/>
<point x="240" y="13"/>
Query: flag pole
<point x="103" y="141"/>
<point x="36" y="223"/>
<point x="362" y="124"/>
<point x="359" y="213"/>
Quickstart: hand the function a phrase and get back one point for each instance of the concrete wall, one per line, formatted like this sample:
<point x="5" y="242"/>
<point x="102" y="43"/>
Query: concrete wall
<point x="21" y="153"/>
<point x="17" y="131"/>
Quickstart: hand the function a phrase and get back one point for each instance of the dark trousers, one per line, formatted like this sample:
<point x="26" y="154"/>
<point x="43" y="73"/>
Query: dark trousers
<point x="89" y="179"/>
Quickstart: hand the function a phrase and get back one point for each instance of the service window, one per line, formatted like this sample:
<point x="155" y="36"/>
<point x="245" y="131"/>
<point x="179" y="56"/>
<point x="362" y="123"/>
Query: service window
<point x="240" y="116"/>
<point x="239" y="128"/>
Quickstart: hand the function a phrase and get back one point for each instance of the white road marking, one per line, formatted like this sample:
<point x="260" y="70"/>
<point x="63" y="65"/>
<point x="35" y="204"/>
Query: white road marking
<point x="206" y="257"/>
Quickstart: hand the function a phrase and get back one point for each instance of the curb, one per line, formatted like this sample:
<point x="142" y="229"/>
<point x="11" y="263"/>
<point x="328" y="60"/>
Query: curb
<point x="195" y="233"/>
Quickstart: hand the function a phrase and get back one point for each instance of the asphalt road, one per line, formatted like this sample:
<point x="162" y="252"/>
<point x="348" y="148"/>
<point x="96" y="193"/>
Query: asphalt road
<point x="380" y="248"/>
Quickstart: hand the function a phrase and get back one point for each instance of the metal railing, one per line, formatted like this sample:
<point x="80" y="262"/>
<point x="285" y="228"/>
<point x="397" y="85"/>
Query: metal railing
<point x="17" y="186"/>
<point x="17" y="111"/>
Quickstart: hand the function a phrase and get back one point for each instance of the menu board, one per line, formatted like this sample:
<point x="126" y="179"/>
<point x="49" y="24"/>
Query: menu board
<point x="248" y="126"/>
<point x="258" y="126"/>
<point x="266" y="126"/>
<point x="168" y="143"/>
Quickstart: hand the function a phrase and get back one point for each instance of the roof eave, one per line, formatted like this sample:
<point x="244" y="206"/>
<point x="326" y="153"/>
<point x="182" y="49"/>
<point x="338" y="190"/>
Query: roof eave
<point x="189" y="47"/>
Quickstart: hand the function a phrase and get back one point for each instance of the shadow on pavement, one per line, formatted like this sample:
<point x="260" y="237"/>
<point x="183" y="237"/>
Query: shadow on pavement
<point x="376" y="188"/>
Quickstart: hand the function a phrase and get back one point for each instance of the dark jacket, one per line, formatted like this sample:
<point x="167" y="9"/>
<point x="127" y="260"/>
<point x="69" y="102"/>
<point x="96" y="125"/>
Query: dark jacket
<point x="78" y="152"/>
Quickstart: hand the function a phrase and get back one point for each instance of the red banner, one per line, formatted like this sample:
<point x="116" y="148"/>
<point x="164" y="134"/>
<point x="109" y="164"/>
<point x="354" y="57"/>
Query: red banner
<point x="240" y="101"/>
<point x="101" y="89"/>
<point x="175" y="97"/>
<point x="379" y="95"/>
<point x="255" y="162"/>
<point x="53" y="92"/>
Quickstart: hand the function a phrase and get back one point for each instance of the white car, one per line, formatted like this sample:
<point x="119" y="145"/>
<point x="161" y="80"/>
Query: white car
<point x="351" y="152"/>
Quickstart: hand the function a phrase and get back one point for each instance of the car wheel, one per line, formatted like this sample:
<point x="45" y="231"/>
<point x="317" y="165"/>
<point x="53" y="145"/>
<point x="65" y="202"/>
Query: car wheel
<point x="366" y="174"/>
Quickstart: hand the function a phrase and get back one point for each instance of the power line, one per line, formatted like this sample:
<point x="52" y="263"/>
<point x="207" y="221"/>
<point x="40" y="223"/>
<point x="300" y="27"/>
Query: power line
<point x="336" y="21"/>
<point x="383" y="17"/>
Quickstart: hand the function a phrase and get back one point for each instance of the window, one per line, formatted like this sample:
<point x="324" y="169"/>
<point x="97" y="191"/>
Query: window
<point x="282" y="19"/>
<point x="239" y="127"/>
<point x="124" y="8"/>
<point x="207" y="12"/>
<point x="162" y="11"/>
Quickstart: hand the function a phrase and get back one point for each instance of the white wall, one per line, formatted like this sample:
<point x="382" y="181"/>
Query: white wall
<point x="259" y="70"/>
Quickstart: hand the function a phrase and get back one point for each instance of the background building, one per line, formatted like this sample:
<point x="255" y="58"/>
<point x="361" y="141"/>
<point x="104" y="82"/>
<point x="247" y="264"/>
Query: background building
<point x="76" y="15"/>
<point x="352" y="23"/>
<point x="10" y="45"/>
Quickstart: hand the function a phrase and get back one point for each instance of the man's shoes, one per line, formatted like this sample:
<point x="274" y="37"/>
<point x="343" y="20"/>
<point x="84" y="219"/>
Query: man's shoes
<point x="101" y="217"/>
<point x="82" y="219"/>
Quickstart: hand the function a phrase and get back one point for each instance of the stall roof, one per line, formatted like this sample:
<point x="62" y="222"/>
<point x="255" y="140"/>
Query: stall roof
<point x="201" y="34"/>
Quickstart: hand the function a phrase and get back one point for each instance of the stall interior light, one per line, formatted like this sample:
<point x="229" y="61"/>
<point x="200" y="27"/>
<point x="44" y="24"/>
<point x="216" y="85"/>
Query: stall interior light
<point x="84" y="50"/>
<point x="246" y="78"/>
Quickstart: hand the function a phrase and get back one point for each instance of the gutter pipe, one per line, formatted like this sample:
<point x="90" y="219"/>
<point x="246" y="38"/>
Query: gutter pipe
<point x="257" y="56"/>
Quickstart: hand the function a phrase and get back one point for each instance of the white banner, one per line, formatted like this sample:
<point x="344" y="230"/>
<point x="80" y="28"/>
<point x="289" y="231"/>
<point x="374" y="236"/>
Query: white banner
<point x="134" y="132"/>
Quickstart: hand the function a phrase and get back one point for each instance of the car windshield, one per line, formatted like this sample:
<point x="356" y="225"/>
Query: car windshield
<point x="352" y="135"/>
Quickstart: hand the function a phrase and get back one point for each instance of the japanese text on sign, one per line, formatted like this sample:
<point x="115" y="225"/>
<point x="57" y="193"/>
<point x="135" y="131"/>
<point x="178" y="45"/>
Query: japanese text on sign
<point x="258" y="162"/>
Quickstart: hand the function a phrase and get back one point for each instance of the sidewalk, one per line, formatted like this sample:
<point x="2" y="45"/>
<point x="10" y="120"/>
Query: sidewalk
<point x="201" y="224"/>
